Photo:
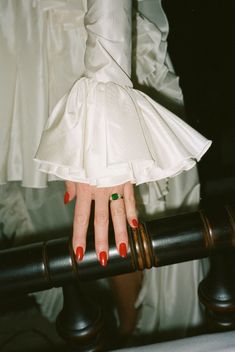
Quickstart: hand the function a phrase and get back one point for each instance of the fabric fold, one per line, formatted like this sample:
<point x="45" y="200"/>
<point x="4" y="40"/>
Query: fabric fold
<point x="106" y="134"/>
<point x="153" y="67"/>
<point x="108" y="46"/>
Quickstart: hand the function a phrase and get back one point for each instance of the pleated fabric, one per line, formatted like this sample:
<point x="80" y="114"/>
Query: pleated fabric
<point x="105" y="134"/>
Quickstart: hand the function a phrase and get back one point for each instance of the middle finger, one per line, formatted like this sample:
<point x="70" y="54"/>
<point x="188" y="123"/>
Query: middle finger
<point x="101" y="223"/>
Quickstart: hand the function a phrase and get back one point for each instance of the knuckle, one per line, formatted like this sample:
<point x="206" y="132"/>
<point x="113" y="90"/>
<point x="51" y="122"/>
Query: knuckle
<point x="121" y="235"/>
<point x="119" y="211"/>
<point x="84" y="189"/>
<point x="78" y="241"/>
<point x="130" y="199"/>
<point x="101" y="218"/>
<point x="81" y="219"/>
<point x="100" y="243"/>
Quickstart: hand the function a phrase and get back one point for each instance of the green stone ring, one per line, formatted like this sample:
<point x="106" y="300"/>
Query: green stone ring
<point x="115" y="196"/>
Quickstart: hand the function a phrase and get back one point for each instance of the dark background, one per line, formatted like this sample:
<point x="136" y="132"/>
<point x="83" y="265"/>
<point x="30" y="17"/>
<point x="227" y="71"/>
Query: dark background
<point x="201" y="46"/>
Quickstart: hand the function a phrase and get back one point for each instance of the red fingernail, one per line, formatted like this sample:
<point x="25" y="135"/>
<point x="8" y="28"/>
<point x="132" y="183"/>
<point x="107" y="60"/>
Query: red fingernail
<point x="66" y="197"/>
<point x="122" y="250"/>
<point x="79" y="253"/>
<point x="103" y="258"/>
<point x="135" y="223"/>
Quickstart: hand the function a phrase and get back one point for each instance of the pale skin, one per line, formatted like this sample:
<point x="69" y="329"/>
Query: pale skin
<point x="125" y="287"/>
<point x="122" y="210"/>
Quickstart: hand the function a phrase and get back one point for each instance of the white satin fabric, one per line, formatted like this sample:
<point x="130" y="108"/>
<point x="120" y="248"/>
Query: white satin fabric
<point x="152" y="62"/>
<point x="114" y="127"/>
<point x="38" y="64"/>
<point x="105" y="133"/>
<point x="37" y="71"/>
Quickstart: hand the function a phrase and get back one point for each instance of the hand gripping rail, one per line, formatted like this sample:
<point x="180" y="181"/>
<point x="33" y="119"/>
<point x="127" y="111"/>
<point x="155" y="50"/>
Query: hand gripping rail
<point x="180" y="238"/>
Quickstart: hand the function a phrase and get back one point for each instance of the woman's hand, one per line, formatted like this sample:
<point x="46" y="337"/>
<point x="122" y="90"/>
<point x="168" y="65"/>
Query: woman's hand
<point x="122" y="209"/>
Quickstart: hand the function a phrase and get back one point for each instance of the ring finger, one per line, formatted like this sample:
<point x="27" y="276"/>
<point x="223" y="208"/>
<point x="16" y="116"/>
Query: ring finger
<point x="118" y="213"/>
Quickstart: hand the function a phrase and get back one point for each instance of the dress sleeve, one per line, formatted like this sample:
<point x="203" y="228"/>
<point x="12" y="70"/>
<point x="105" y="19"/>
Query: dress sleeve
<point x="108" y="46"/>
<point x="104" y="132"/>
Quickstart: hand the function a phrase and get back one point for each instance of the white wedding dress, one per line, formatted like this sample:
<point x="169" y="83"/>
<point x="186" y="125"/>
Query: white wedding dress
<point x="71" y="60"/>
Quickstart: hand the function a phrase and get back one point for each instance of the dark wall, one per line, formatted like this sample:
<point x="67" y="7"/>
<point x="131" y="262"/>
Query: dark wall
<point x="201" y="43"/>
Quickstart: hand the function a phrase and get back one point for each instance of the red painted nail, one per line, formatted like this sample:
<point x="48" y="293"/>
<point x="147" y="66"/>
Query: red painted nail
<point x="66" y="197"/>
<point x="79" y="253"/>
<point x="122" y="250"/>
<point x="135" y="223"/>
<point x="103" y="258"/>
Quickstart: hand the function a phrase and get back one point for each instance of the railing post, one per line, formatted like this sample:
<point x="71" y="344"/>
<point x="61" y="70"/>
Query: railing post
<point x="217" y="293"/>
<point x="80" y="322"/>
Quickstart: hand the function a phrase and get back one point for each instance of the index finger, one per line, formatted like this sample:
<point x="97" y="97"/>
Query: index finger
<point x="81" y="219"/>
